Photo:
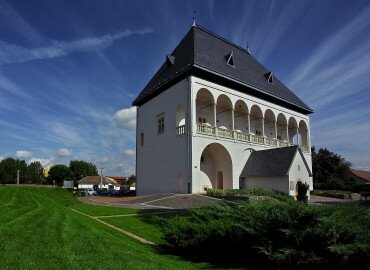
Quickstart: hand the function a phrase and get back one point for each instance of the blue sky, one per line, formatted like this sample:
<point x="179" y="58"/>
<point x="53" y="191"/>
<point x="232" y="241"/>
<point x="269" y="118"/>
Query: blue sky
<point x="69" y="70"/>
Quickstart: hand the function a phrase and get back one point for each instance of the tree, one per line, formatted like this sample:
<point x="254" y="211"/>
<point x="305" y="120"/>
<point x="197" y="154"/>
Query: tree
<point x="35" y="172"/>
<point x="80" y="169"/>
<point x="131" y="179"/>
<point x="8" y="170"/>
<point x="58" y="173"/>
<point x="331" y="171"/>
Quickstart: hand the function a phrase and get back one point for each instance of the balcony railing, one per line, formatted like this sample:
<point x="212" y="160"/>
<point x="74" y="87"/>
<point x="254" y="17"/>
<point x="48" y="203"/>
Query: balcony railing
<point x="205" y="130"/>
<point x="240" y="136"/>
<point x="225" y="133"/>
<point x="305" y="148"/>
<point x="180" y="130"/>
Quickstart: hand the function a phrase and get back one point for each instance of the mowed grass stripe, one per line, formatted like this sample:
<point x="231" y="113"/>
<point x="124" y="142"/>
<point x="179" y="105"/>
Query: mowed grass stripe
<point x="46" y="234"/>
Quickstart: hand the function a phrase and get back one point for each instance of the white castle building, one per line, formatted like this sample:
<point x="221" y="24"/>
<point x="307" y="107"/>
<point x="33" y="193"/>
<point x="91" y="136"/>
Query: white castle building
<point x="213" y="117"/>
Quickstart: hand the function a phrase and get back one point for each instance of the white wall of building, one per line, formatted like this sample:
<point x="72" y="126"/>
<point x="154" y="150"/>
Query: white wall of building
<point x="269" y="183"/>
<point x="162" y="162"/>
<point x="239" y="151"/>
<point x="298" y="174"/>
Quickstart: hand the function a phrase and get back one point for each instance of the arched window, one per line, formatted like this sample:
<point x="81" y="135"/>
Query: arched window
<point x="204" y="107"/>
<point x="180" y="119"/>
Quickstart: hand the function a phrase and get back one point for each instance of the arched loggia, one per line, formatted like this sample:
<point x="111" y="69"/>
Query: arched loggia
<point x="215" y="168"/>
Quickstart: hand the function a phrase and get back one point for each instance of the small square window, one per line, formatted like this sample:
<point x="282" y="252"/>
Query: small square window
<point x="299" y="167"/>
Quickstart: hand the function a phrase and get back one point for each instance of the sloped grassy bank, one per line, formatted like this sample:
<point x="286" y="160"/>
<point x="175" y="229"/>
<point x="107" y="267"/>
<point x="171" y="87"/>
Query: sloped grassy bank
<point x="274" y="234"/>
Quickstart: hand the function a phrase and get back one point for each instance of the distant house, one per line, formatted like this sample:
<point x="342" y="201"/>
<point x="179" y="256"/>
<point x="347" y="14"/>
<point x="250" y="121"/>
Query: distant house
<point x="98" y="182"/>
<point x="362" y="177"/>
<point x="121" y="180"/>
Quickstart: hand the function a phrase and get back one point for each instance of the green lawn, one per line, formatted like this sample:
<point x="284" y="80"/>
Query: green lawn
<point x="38" y="230"/>
<point x="146" y="226"/>
<point x="99" y="210"/>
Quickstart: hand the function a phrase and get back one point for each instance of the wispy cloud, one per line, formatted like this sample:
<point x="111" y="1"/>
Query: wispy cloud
<point x="15" y="21"/>
<point x="331" y="48"/>
<point x="129" y="152"/>
<point x="9" y="86"/>
<point x="23" y="154"/>
<point x="64" y="152"/>
<point x="69" y="135"/>
<point x="44" y="161"/>
<point x="13" y="53"/>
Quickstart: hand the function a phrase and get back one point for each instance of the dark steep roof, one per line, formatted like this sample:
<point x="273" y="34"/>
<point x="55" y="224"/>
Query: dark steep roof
<point x="272" y="162"/>
<point x="203" y="54"/>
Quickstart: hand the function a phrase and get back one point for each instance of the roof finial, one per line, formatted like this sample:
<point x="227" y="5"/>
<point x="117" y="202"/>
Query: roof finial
<point x="248" y="51"/>
<point x="194" y="18"/>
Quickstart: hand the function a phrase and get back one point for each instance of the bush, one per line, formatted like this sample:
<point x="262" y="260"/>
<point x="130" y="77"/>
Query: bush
<point x="302" y="192"/>
<point x="272" y="234"/>
<point x="281" y="196"/>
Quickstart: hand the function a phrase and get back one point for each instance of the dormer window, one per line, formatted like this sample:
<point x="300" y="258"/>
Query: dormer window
<point x="269" y="77"/>
<point x="170" y="60"/>
<point x="230" y="59"/>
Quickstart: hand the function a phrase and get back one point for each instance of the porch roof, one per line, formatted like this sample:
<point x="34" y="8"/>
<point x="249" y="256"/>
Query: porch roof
<point x="272" y="162"/>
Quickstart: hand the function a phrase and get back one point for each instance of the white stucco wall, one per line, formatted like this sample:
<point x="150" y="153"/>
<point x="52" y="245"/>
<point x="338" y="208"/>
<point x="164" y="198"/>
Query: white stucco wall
<point x="162" y="162"/>
<point x="162" y="165"/>
<point x="239" y="151"/>
<point x="269" y="183"/>
<point x="296" y="175"/>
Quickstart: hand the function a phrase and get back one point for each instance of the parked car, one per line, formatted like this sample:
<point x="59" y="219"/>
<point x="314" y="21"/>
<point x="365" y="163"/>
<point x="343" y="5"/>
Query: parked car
<point x="102" y="192"/>
<point x="91" y="192"/>
<point x="124" y="190"/>
<point x="113" y="192"/>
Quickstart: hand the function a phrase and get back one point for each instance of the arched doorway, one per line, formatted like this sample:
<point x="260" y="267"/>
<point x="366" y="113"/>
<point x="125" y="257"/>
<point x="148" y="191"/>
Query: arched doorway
<point x="220" y="180"/>
<point x="298" y="187"/>
<point x="215" y="168"/>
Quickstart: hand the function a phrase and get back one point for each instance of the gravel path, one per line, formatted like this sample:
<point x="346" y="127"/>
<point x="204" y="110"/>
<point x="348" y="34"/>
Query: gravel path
<point x="314" y="199"/>
<point x="155" y="201"/>
<point x="185" y="201"/>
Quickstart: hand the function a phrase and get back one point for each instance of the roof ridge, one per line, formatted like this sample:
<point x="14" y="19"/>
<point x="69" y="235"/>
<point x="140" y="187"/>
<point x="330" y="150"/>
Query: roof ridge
<point x="221" y="38"/>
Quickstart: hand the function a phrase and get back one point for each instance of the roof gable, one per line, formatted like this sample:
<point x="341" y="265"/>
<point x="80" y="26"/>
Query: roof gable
<point x="202" y="50"/>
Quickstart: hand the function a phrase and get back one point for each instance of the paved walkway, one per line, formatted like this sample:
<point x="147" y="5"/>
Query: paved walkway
<point x="156" y="201"/>
<point x="314" y="199"/>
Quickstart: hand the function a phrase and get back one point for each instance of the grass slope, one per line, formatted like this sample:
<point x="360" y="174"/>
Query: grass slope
<point x="38" y="230"/>
<point x="146" y="226"/>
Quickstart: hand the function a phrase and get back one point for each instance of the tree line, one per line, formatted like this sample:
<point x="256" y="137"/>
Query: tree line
<point x="331" y="171"/>
<point x="33" y="173"/>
